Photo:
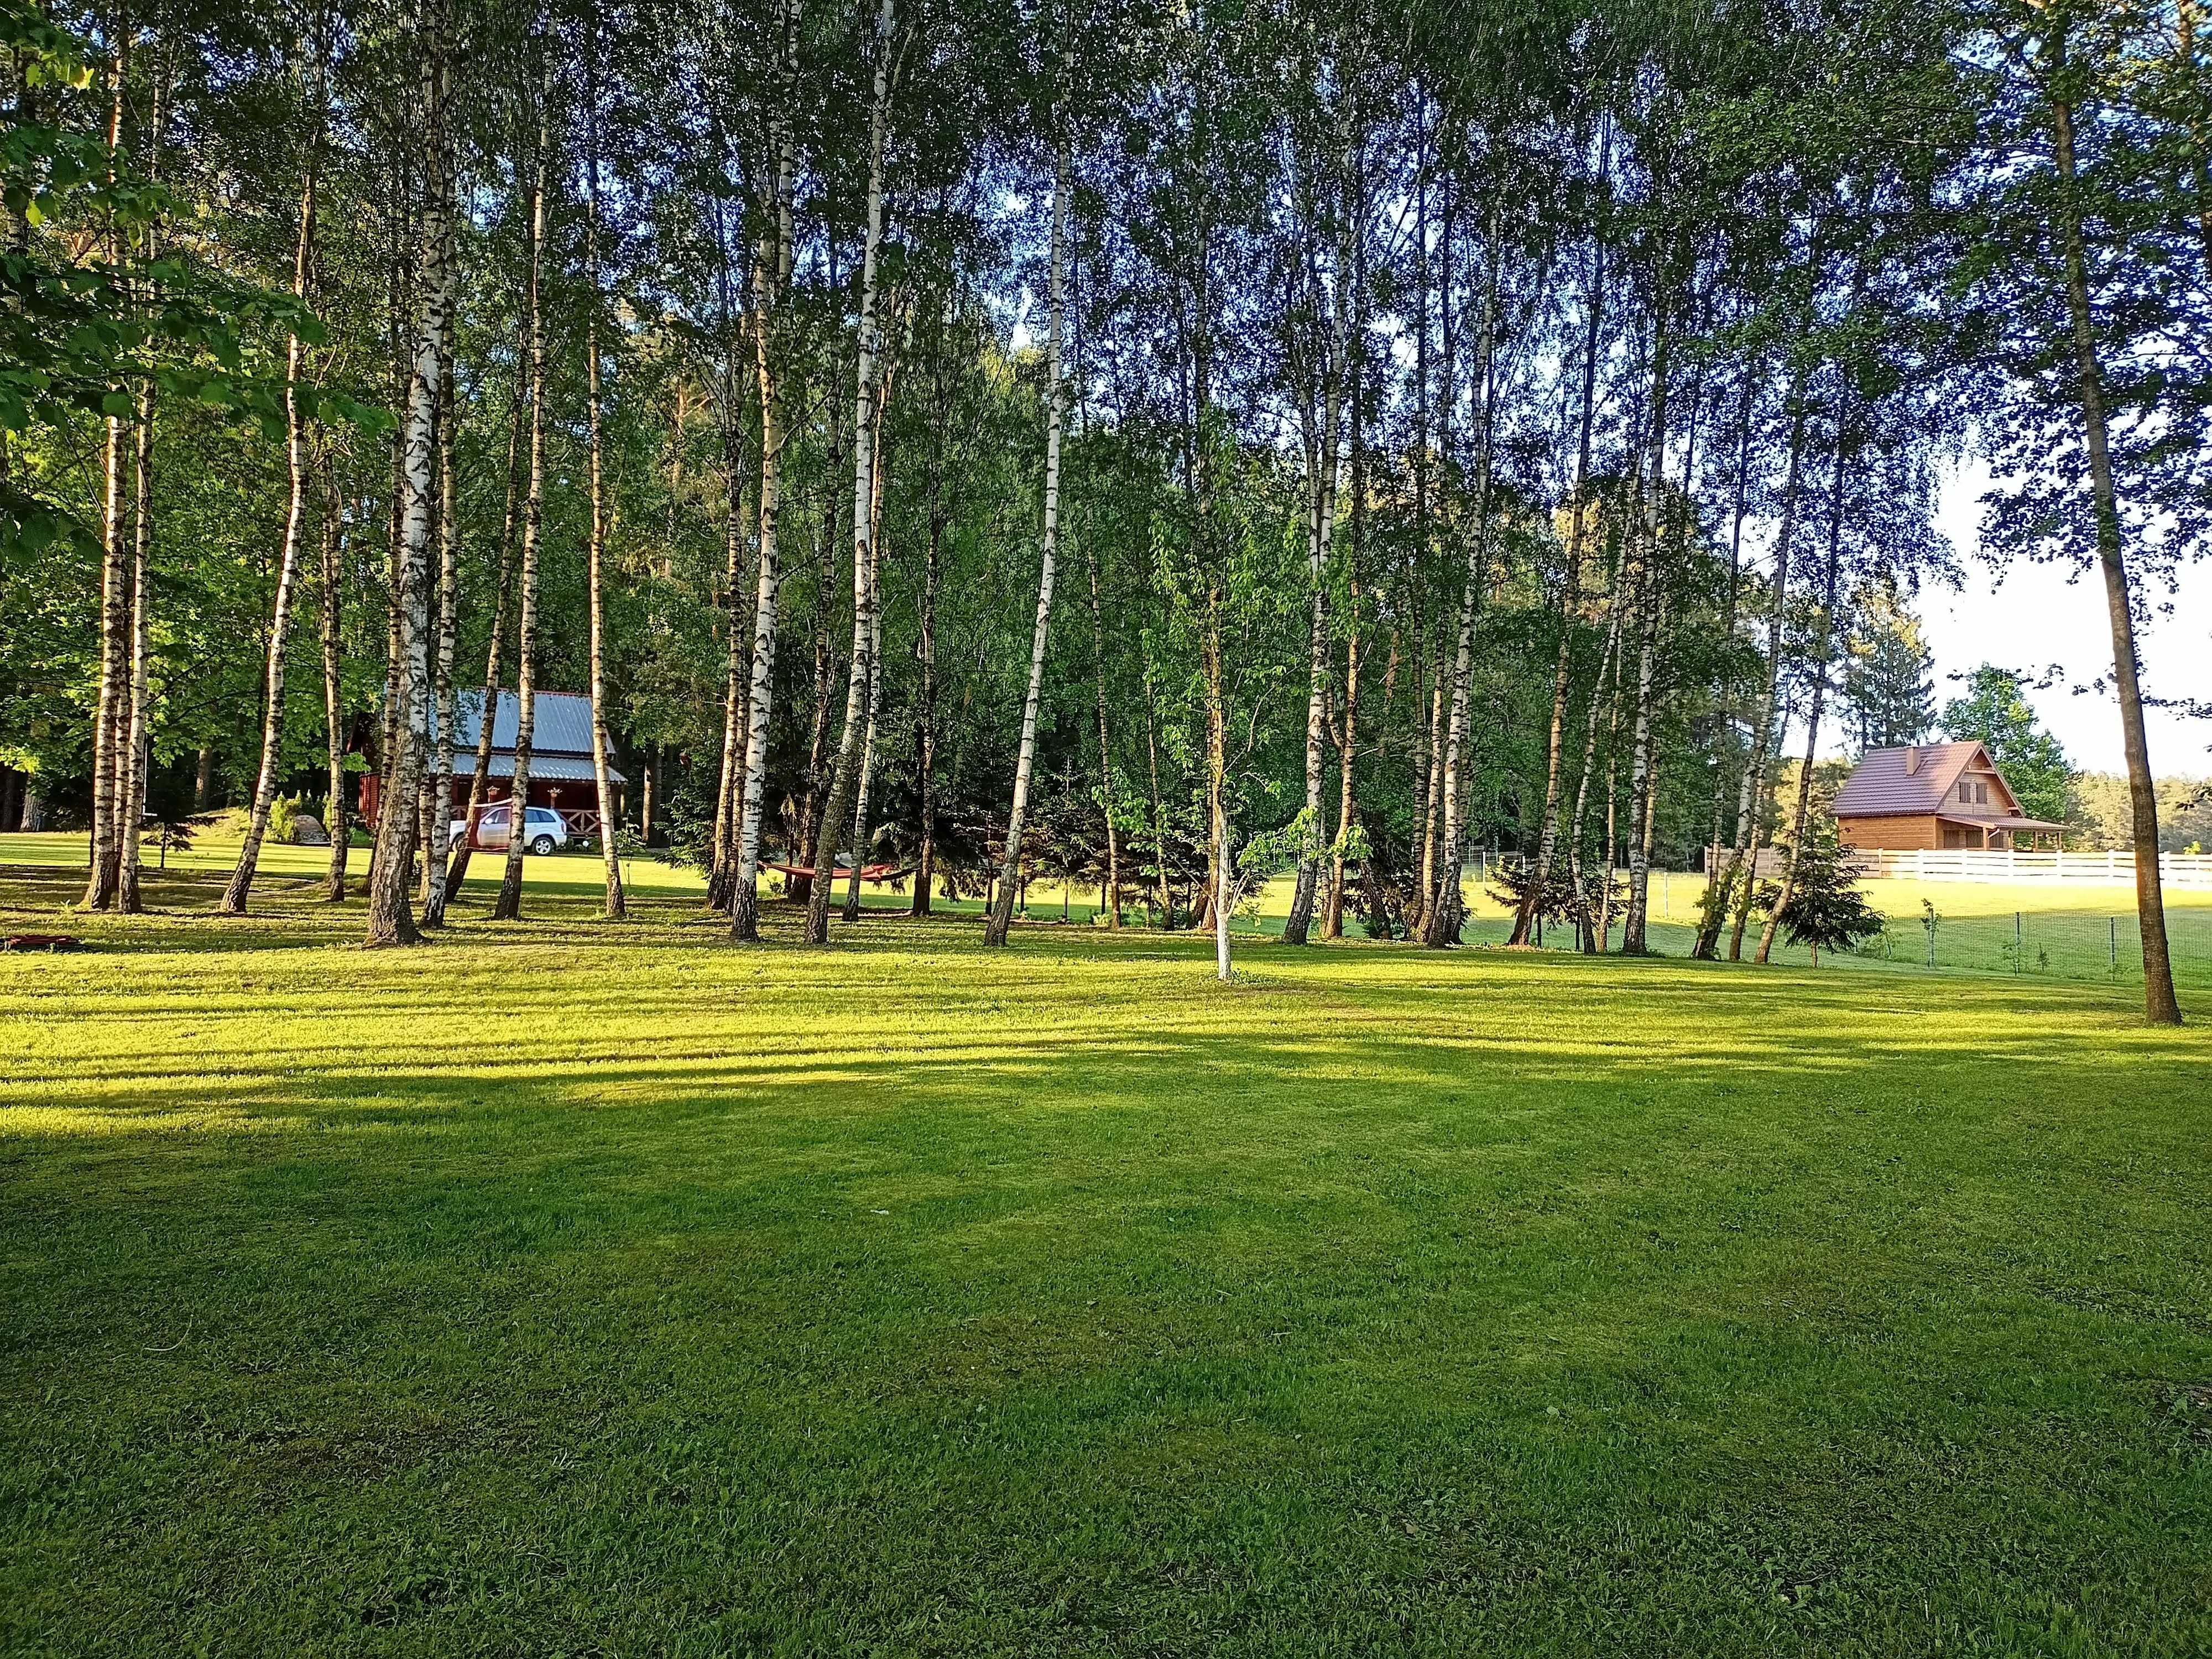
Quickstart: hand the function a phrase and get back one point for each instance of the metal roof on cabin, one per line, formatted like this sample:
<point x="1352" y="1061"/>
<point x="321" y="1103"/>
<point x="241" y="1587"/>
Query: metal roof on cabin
<point x="544" y="768"/>
<point x="562" y="726"/>
<point x="1882" y="787"/>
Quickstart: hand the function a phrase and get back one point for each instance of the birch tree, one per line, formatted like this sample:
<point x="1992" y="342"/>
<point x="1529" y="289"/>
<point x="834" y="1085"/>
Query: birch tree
<point x="1002" y="909"/>
<point x="390" y="915"/>
<point x="864" y="457"/>
<point x="288" y="558"/>
<point x="771" y="280"/>
<point x="508" y="906"/>
<point x="615" y="908"/>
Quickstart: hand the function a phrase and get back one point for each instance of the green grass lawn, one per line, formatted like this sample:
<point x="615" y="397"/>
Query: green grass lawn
<point x="562" y="1288"/>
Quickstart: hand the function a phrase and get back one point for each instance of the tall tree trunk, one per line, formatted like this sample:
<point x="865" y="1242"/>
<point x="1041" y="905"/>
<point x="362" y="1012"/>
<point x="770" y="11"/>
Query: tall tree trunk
<point x="852" y="912"/>
<point x="1443" y="924"/>
<point x="1824" y="654"/>
<point x="287" y="562"/>
<point x="390" y="917"/>
<point x="1159" y="808"/>
<point x="1713" y="910"/>
<point x="341" y="828"/>
<point x="1612" y="775"/>
<point x="1332" y="920"/>
<point x="1320" y="525"/>
<point x="2161" y="1006"/>
<point x="1752" y="794"/>
<point x="508" y="906"/>
<point x="1221" y="900"/>
<point x="1105" y="742"/>
<point x="1650" y="587"/>
<point x="436" y="892"/>
<point x="132" y="813"/>
<point x="1002" y="912"/>
<point x="136" y="752"/>
<point x="722" y="874"/>
<point x="456" y="867"/>
<point x="1586" y="924"/>
<point x="818" y="758"/>
<point x="863" y="462"/>
<point x="110" y="712"/>
<point x="771" y="276"/>
<point x="1525" y="918"/>
<point x="615" y="906"/>
<point x="1418" y="861"/>
<point x="925" y="651"/>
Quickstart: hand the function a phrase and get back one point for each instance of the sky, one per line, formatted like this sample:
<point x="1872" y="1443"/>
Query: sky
<point x="2038" y="617"/>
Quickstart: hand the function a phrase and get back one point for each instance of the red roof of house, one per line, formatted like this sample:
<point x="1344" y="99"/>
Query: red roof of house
<point x="1906" y="782"/>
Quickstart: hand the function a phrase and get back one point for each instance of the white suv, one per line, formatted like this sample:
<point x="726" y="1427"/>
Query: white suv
<point x="543" y="826"/>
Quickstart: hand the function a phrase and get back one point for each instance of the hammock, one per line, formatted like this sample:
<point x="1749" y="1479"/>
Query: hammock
<point x="872" y="873"/>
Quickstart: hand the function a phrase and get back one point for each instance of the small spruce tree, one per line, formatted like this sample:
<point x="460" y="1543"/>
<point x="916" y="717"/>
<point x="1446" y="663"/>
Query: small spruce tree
<point x="1826" y="907"/>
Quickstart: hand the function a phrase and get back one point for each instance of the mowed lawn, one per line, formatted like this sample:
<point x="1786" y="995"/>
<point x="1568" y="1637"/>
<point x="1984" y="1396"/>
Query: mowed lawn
<point x="562" y="1288"/>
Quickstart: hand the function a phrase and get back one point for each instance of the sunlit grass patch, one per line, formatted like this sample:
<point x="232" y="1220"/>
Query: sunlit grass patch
<point x="564" y="1286"/>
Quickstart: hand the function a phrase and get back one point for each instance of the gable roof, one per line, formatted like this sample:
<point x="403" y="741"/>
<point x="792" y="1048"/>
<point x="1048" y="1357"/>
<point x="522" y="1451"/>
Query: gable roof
<point x="1908" y="781"/>
<point x="562" y="726"/>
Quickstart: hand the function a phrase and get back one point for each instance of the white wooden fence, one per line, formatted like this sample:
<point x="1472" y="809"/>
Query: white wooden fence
<point x="2192" y="870"/>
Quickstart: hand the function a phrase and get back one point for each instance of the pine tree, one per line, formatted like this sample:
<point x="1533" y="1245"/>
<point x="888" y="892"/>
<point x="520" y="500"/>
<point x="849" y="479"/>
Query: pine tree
<point x="1888" y="679"/>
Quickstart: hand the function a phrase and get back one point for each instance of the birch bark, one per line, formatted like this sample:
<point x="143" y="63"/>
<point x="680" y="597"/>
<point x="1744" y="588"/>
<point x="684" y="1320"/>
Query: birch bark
<point x="1446" y="908"/>
<point x="771" y="276"/>
<point x="1649" y="584"/>
<point x="1750" y="791"/>
<point x="1105" y="744"/>
<point x="846" y="777"/>
<point x="1823" y="653"/>
<point x="852" y="912"/>
<point x="1002" y="911"/>
<point x="615" y="908"/>
<point x="1321" y="527"/>
<point x="508" y="906"/>
<point x="1570" y="595"/>
<point x="109" y="709"/>
<point x="436" y="892"/>
<point x="390" y="916"/>
<point x="287" y="562"/>
<point x="333" y="573"/>
<point x="457" y="868"/>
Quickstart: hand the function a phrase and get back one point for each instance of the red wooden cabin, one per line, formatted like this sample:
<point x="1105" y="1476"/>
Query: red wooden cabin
<point x="560" y="758"/>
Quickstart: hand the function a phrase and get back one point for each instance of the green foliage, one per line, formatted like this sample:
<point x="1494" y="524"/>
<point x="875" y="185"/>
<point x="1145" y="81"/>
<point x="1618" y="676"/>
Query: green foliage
<point x="1996" y="711"/>
<point x="1825" y="910"/>
<point x="1888" y="682"/>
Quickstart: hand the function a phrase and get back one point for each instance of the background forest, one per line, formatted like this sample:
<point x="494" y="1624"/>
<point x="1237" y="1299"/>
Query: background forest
<point x="1436" y="427"/>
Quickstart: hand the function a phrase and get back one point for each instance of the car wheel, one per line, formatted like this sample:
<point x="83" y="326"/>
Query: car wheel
<point x="542" y="845"/>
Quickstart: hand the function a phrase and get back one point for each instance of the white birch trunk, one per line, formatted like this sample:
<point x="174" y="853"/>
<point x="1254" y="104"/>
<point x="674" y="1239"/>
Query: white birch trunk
<point x="334" y="882"/>
<point x="130" y="810"/>
<point x="1002" y="911"/>
<point x="1321" y="527"/>
<point x="875" y="667"/>
<point x="616" y="908"/>
<point x="434" y="866"/>
<point x="1442" y="924"/>
<point x="287" y="563"/>
<point x="863" y="460"/>
<point x="508" y="906"/>
<point x="390" y="916"/>
<point x="771" y="278"/>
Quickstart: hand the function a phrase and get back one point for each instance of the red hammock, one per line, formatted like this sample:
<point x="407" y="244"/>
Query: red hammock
<point x="873" y="873"/>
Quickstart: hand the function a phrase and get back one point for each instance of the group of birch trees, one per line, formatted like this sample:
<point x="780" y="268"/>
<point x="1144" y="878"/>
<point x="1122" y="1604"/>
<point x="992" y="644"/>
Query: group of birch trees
<point x="1156" y="445"/>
